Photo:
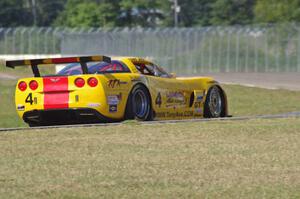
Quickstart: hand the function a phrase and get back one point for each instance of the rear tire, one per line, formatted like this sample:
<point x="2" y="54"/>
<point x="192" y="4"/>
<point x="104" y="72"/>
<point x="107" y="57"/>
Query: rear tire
<point x="214" y="103"/>
<point x="139" y="104"/>
<point x="34" y="124"/>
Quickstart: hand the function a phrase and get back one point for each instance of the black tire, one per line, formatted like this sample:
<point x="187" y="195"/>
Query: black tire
<point x="139" y="104"/>
<point x="34" y="124"/>
<point x="214" y="103"/>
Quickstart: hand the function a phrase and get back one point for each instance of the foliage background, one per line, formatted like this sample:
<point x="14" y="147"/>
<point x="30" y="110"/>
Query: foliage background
<point x="145" y="13"/>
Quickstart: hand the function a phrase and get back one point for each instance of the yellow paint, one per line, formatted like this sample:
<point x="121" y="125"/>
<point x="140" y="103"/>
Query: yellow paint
<point x="27" y="62"/>
<point x="20" y="96"/>
<point x="97" y="58"/>
<point x="47" y="61"/>
<point x="179" y="90"/>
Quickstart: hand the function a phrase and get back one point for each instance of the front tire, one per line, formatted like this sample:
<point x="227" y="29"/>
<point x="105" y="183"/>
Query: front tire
<point x="214" y="103"/>
<point x="139" y="104"/>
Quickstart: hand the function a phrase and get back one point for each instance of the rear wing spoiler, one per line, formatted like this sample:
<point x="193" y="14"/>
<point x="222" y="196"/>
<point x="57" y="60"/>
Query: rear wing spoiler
<point x="64" y="60"/>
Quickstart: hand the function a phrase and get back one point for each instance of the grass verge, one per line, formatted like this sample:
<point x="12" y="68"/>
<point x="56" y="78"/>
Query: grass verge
<point x="25" y="71"/>
<point x="229" y="159"/>
<point x="8" y="113"/>
<point x="245" y="101"/>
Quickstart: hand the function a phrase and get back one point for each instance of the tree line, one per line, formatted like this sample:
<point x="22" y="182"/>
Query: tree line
<point x="145" y="13"/>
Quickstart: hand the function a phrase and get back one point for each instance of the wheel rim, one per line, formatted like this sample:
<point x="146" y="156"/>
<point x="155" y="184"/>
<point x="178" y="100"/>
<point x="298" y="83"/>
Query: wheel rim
<point x="215" y="102"/>
<point x="141" y="105"/>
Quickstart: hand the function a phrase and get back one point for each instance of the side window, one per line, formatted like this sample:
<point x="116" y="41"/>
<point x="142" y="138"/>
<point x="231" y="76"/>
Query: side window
<point x="145" y="69"/>
<point x="140" y="68"/>
<point x="160" y="72"/>
<point x="95" y="67"/>
<point x="113" y="67"/>
<point x="151" y="70"/>
<point x="110" y="68"/>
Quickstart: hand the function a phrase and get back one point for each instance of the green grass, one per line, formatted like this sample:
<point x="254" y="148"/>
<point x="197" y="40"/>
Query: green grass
<point x="242" y="101"/>
<point x="8" y="114"/>
<point x="18" y="72"/>
<point x="258" y="101"/>
<point x="25" y="71"/>
<point x="232" y="159"/>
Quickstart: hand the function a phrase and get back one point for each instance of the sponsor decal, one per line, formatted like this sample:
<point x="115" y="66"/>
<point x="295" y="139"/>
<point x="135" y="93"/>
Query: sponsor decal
<point x="175" y="114"/>
<point x="113" y="108"/>
<point x="199" y="95"/>
<point x="20" y="107"/>
<point x="197" y="104"/>
<point x="198" y="111"/>
<point x="158" y="100"/>
<point x="115" y="83"/>
<point x="114" y="99"/>
<point x="199" y="98"/>
<point x="119" y="96"/>
<point x="175" y="98"/>
<point x="138" y="79"/>
<point x="93" y="104"/>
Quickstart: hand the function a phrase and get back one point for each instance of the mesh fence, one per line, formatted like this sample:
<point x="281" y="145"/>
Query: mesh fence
<point x="186" y="51"/>
<point x="182" y="50"/>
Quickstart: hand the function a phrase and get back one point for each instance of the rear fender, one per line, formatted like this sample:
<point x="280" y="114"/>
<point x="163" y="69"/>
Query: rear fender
<point x="29" y="99"/>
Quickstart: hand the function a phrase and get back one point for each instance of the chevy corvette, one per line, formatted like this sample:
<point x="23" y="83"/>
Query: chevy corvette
<point x="95" y="89"/>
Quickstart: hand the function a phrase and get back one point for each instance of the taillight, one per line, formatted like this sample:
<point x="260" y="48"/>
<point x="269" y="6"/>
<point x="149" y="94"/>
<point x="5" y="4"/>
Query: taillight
<point x="79" y="82"/>
<point x="22" y="86"/>
<point x="33" y="85"/>
<point x="92" y="82"/>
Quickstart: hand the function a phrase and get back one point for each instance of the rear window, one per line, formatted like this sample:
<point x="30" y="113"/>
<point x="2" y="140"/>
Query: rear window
<point x="95" y="68"/>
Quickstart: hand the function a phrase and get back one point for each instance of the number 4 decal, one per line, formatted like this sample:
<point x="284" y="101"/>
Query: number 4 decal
<point x="29" y="99"/>
<point x="158" y="100"/>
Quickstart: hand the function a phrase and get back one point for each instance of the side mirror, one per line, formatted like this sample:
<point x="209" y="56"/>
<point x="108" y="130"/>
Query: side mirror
<point x="173" y="75"/>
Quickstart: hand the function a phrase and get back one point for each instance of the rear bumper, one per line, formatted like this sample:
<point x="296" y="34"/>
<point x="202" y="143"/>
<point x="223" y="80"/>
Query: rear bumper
<point x="64" y="116"/>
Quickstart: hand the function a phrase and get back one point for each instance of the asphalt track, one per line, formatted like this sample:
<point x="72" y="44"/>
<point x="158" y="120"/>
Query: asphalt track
<point x="275" y="116"/>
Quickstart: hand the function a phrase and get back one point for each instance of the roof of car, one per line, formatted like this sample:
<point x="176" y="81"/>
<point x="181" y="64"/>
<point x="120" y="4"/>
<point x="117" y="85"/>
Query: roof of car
<point x="133" y="59"/>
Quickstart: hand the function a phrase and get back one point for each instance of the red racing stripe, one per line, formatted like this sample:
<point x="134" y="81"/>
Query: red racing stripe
<point x="64" y="60"/>
<point x="56" y="94"/>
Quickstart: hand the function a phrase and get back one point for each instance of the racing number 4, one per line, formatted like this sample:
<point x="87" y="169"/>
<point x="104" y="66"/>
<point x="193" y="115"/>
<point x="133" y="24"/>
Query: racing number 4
<point x="158" y="100"/>
<point x="29" y="99"/>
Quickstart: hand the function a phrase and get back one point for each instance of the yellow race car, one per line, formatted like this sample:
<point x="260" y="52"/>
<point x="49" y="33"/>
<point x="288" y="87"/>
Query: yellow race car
<point x="95" y="89"/>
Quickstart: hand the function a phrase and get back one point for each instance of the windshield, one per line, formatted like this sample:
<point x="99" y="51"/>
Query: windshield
<point x="95" y="68"/>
